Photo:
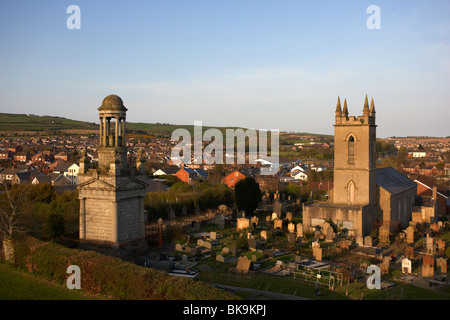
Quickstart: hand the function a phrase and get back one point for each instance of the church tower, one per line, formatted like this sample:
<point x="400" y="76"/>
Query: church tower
<point x="112" y="195"/>
<point x="354" y="156"/>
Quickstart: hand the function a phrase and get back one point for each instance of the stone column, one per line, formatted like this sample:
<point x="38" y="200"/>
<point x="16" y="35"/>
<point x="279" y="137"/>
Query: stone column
<point x="105" y="141"/>
<point x="119" y="135"/>
<point x="123" y="133"/>
<point x="116" y="138"/>
<point x="101" y="131"/>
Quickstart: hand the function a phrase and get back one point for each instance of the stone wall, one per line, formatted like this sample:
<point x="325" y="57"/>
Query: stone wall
<point x="99" y="220"/>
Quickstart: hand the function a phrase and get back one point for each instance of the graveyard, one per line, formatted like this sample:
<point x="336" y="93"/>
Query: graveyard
<point x="271" y="253"/>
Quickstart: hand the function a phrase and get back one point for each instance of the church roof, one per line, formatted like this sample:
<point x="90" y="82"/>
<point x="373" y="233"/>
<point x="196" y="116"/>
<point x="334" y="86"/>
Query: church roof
<point x="393" y="181"/>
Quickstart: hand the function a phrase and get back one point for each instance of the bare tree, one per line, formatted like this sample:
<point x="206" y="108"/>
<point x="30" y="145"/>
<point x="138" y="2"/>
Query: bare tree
<point x="12" y="206"/>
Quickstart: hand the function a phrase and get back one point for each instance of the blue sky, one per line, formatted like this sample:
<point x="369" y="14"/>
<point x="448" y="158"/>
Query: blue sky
<point x="261" y="64"/>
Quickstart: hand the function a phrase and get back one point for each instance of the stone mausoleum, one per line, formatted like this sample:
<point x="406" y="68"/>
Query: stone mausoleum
<point x="112" y="195"/>
<point x="362" y="195"/>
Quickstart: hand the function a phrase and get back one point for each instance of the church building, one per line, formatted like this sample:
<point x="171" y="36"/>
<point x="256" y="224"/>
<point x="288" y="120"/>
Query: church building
<point x="362" y="194"/>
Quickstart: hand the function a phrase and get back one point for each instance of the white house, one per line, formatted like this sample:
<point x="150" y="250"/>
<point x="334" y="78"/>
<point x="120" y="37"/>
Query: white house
<point x="72" y="173"/>
<point x="300" y="176"/>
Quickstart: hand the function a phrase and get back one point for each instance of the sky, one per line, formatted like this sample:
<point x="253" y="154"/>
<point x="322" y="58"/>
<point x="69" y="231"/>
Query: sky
<point x="262" y="64"/>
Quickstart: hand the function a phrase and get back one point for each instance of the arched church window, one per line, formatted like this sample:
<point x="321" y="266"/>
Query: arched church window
<point x="351" y="150"/>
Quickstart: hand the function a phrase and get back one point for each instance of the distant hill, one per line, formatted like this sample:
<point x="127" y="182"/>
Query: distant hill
<point x="31" y="122"/>
<point x="17" y="123"/>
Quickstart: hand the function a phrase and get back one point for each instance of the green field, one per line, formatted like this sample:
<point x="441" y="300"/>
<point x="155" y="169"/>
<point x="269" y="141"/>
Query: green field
<point x="24" y="122"/>
<point x="20" y="285"/>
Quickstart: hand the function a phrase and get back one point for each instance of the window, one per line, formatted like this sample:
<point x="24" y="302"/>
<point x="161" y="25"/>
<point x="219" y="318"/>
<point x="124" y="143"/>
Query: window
<point x="351" y="150"/>
<point x="351" y="192"/>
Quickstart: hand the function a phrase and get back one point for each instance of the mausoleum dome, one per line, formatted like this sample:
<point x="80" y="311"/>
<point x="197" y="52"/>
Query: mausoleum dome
<point x="112" y="103"/>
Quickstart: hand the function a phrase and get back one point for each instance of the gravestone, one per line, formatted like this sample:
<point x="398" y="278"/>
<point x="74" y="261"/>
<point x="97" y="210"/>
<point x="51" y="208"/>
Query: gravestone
<point x="406" y="265"/>
<point x="252" y="244"/>
<point x="243" y="264"/>
<point x="184" y="258"/>
<point x="225" y="250"/>
<point x="242" y="223"/>
<point x="254" y="259"/>
<point x="289" y="215"/>
<point x="172" y="213"/>
<point x="218" y="217"/>
<point x="178" y="247"/>
<point x="300" y="230"/>
<point x="212" y="235"/>
<point x="360" y="240"/>
<point x="385" y="264"/>
<point x="221" y="225"/>
<point x="207" y="244"/>
<point x="274" y="216"/>
<point x="427" y="259"/>
<point x="291" y="237"/>
<point x="410" y="234"/>
<point x="268" y="218"/>
<point x="317" y="253"/>
<point x="368" y="241"/>
<point x="329" y="235"/>
<point x="409" y="252"/>
<point x="298" y="259"/>
<point x="291" y="227"/>
<point x="441" y="246"/>
<point x="428" y="271"/>
<point x="278" y="223"/>
<point x="233" y="250"/>
<point x="184" y="211"/>
<point x="383" y="234"/>
<point x="277" y="207"/>
<point x="264" y="235"/>
<point x="254" y="220"/>
<point x="429" y="243"/>
<point x="441" y="263"/>
<point x="220" y="258"/>
<point x="325" y="228"/>
<point x="200" y="243"/>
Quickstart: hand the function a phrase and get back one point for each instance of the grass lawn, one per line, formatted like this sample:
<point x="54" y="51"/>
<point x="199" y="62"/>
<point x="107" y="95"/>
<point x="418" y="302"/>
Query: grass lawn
<point x="20" y="285"/>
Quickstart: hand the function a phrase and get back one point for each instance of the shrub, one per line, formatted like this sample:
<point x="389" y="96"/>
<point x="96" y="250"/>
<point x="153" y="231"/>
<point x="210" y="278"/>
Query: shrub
<point x="111" y="277"/>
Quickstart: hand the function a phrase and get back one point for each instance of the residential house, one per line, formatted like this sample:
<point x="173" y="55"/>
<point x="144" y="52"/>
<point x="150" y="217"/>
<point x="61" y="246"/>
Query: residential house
<point x="22" y="157"/>
<point x="6" y="155"/>
<point x="172" y="170"/>
<point x="22" y="177"/>
<point x="72" y="173"/>
<point x="188" y="175"/>
<point x="240" y="174"/>
<point x="429" y="191"/>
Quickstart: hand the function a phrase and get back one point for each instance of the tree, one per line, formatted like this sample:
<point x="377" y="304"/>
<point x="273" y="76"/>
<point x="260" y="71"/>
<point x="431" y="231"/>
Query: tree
<point x="54" y="226"/>
<point x="13" y="203"/>
<point x="247" y="195"/>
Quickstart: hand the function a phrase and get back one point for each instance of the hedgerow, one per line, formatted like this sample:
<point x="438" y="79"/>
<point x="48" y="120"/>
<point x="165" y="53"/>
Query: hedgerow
<point x="110" y="277"/>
